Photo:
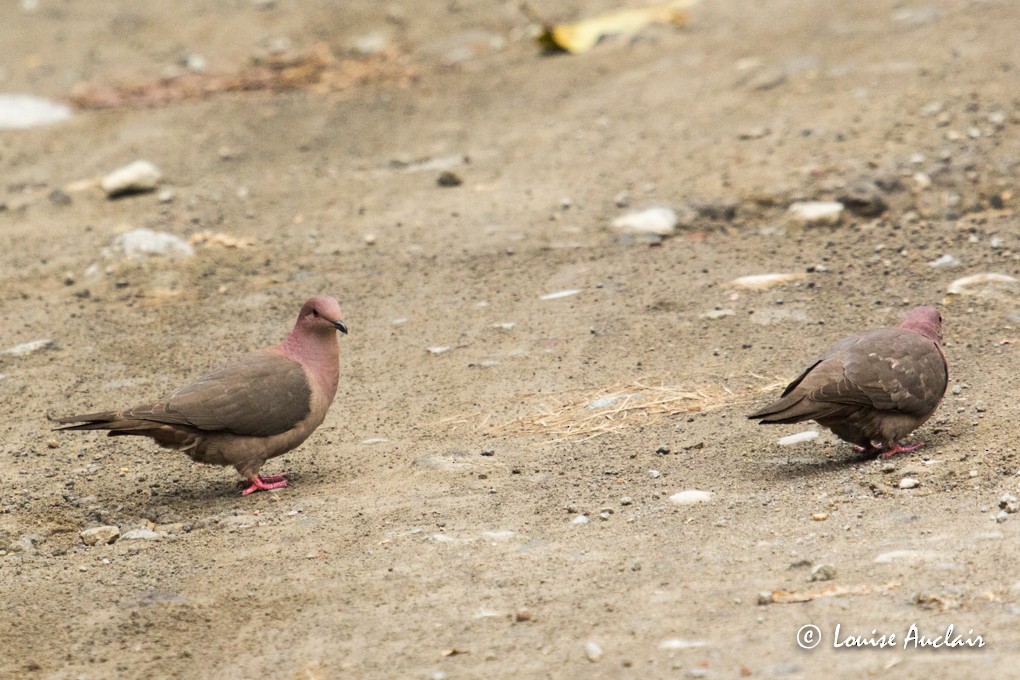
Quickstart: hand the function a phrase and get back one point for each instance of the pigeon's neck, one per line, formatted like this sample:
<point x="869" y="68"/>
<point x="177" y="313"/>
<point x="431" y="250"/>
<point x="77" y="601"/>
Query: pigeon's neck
<point x="926" y="329"/>
<point x="318" y="354"/>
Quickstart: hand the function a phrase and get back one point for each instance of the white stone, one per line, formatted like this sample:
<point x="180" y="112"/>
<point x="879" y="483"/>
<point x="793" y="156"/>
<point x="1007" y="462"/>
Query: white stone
<point x="674" y="644"/>
<point x="763" y="281"/>
<point x="908" y="483"/>
<point x="945" y="260"/>
<point x="97" y="535"/>
<point x="657" y="221"/>
<point x="22" y="111"/>
<point x="138" y="244"/>
<point x="580" y="519"/>
<point x="570" y="292"/>
<point x="691" y="497"/>
<point x="792" y="439"/>
<point x="28" y="347"/>
<point x="593" y="651"/>
<point x="137" y="176"/>
<point x="816" y="212"/>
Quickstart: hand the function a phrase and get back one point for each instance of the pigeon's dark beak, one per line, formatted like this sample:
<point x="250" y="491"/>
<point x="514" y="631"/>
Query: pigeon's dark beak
<point x="340" y="326"/>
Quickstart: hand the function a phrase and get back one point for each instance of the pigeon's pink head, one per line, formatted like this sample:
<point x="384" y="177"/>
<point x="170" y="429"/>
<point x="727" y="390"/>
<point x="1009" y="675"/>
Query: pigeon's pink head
<point x="320" y="315"/>
<point x="924" y="320"/>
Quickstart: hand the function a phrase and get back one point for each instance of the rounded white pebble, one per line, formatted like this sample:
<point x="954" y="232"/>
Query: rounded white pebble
<point x="691" y="497"/>
<point x="909" y="483"/>
<point x="798" y="438"/>
<point x="817" y="212"/>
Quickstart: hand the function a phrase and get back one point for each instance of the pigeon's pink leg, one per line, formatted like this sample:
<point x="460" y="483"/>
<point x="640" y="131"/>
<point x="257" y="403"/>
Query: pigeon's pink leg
<point x="265" y="483"/>
<point x="900" y="449"/>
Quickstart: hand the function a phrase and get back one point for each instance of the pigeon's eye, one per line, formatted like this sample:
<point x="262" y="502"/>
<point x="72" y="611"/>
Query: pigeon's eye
<point x="315" y="313"/>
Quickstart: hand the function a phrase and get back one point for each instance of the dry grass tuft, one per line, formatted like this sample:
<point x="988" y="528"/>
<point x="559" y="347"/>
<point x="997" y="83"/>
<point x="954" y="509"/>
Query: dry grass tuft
<point x="586" y="414"/>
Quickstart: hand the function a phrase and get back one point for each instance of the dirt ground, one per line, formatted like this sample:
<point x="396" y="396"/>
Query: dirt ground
<point x="430" y="528"/>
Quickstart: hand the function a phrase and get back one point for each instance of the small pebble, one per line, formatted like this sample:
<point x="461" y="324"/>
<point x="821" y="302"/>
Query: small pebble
<point x="593" y="651"/>
<point x="654" y="474"/>
<point x="1009" y="503"/>
<point x="100" y="535"/>
<point x="908" y="483"/>
<point x="626" y="500"/>
<point x="135" y="177"/>
<point x="580" y="520"/>
<point x="26" y="348"/>
<point x="691" y="497"/>
<point x="658" y="221"/>
<point x="814" y="213"/>
<point x="448" y="178"/>
<point x="822" y="572"/>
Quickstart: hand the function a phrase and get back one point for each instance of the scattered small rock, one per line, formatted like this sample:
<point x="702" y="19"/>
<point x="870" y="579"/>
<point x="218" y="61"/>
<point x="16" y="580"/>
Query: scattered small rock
<point x="691" y="497"/>
<point x="448" y="178"/>
<point x="763" y="281"/>
<point x="135" y="177"/>
<point x="909" y="483"/>
<point x="864" y="199"/>
<point x="22" y="111"/>
<point x="59" y="197"/>
<point x="626" y="500"/>
<point x="570" y="292"/>
<point x="658" y="221"/>
<point x="814" y="213"/>
<point x="488" y="452"/>
<point x="945" y="260"/>
<point x="716" y="314"/>
<point x="522" y="614"/>
<point x="580" y="520"/>
<point x="1009" y="503"/>
<point x="822" y="572"/>
<point x="798" y="438"/>
<point x="437" y="349"/>
<point x="141" y="243"/>
<point x="26" y="348"/>
<point x="100" y="535"/>
<point x="593" y="651"/>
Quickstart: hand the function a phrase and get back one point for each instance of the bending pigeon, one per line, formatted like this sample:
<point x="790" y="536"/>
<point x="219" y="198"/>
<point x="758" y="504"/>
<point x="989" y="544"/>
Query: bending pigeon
<point x="872" y="388"/>
<point x="253" y="409"/>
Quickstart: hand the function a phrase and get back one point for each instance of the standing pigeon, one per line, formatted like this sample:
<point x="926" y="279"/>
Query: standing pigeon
<point x="872" y="388"/>
<point x="258" y="407"/>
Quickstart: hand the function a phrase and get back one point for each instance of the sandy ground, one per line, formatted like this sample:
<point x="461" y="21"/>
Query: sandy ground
<point x="429" y="529"/>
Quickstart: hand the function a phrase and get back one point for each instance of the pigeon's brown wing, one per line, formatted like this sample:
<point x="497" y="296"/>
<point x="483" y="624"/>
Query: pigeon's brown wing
<point x="261" y="395"/>
<point x="888" y="370"/>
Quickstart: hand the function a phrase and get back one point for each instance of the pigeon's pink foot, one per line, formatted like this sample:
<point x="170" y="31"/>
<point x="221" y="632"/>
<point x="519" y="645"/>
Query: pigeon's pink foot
<point x="900" y="449"/>
<point x="265" y="484"/>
